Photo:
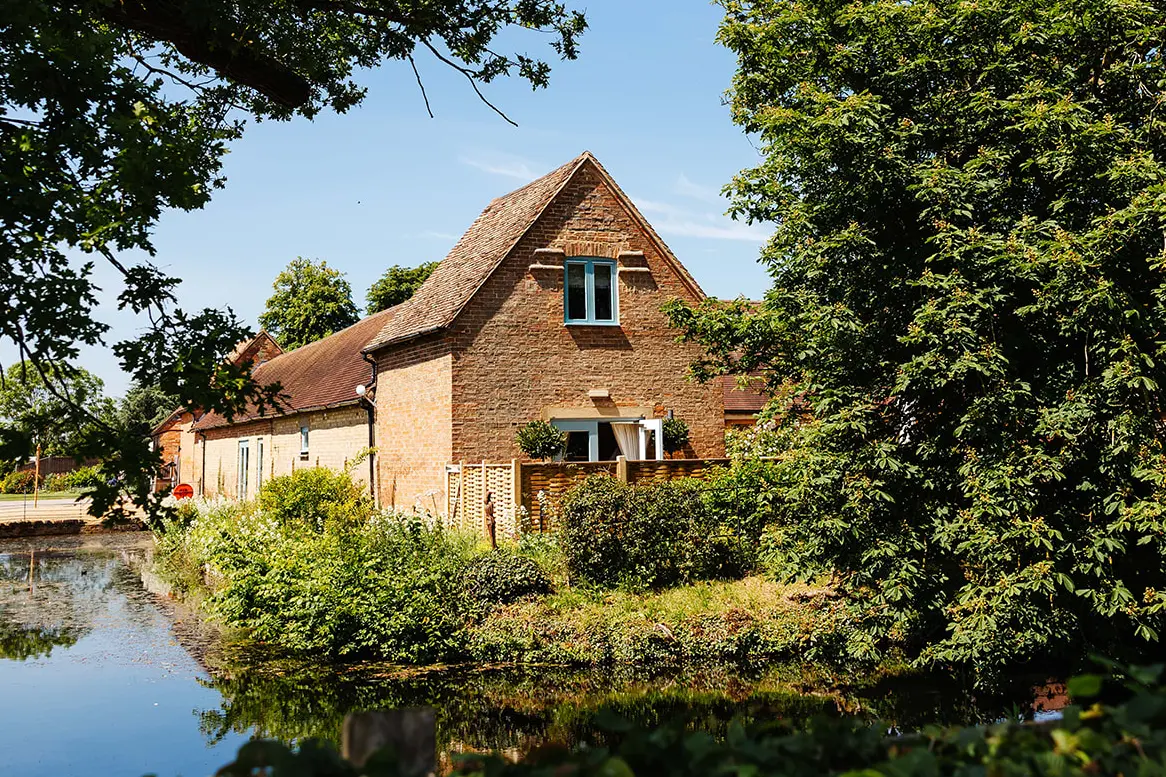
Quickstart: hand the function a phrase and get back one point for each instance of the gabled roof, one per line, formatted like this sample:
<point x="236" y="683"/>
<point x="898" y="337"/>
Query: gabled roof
<point x="258" y="349"/>
<point x="315" y="376"/>
<point x="487" y="243"/>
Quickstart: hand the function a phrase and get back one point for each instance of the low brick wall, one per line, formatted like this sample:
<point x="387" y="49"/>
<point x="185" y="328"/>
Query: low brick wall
<point x="11" y="529"/>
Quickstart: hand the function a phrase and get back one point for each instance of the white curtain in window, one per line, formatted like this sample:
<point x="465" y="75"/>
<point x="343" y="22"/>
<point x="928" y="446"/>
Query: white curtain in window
<point x="627" y="437"/>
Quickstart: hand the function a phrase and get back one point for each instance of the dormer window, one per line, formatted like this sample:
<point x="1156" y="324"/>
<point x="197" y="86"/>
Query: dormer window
<point x="590" y="295"/>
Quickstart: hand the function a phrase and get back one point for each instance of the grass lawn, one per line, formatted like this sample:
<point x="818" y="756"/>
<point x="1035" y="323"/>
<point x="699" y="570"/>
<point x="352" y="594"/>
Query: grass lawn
<point x="754" y="621"/>
<point x="71" y="495"/>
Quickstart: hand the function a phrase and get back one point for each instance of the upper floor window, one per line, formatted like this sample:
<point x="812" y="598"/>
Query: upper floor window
<point x="590" y="294"/>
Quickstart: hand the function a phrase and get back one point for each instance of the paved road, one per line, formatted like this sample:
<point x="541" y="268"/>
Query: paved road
<point x="47" y="510"/>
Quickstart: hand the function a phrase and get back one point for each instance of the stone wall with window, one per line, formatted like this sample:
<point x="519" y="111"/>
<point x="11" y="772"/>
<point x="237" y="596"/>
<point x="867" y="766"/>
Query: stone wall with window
<point x="335" y="438"/>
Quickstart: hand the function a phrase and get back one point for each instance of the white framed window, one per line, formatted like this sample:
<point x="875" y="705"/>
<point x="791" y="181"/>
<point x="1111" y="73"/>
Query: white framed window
<point x="258" y="465"/>
<point x="244" y="467"/>
<point x="303" y="441"/>
<point x="590" y="292"/>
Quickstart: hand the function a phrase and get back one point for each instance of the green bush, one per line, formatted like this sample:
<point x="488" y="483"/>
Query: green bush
<point x="386" y="588"/>
<point x="503" y="577"/>
<point x="314" y="496"/>
<point x="675" y="434"/>
<point x="75" y="480"/>
<point x="82" y="478"/>
<point x="20" y="482"/>
<point x="652" y="535"/>
<point x="541" y="440"/>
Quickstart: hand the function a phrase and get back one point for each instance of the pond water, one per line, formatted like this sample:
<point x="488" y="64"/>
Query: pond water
<point x="101" y="677"/>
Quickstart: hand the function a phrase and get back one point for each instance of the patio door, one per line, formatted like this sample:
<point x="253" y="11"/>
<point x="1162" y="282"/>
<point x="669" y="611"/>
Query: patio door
<point x="604" y="439"/>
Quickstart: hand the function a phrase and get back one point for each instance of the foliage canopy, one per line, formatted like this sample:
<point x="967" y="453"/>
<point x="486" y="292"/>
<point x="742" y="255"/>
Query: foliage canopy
<point x="111" y="112"/>
<point x="397" y="285"/>
<point x="311" y="301"/>
<point x="35" y="409"/>
<point x="968" y="314"/>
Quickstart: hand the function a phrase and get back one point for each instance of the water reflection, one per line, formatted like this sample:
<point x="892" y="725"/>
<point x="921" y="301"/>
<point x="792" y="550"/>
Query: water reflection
<point x="507" y="709"/>
<point x="105" y="677"/>
<point x="20" y="643"/>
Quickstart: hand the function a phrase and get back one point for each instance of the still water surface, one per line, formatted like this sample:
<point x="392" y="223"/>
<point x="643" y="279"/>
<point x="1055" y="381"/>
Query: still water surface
<point x="99" y="677"/>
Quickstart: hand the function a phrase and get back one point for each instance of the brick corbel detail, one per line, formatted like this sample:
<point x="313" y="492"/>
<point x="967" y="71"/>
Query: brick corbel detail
<point x="600" y="250"/>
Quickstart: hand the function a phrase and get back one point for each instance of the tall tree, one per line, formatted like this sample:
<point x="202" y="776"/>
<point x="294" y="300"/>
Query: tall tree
<point x="35" y="409"/>
<point x="970" y="299"/>
<point x="113" y="110"/>
<point x="311" y="301"/>
<point x="144" y="407"/>
<point x="397" y="285"/>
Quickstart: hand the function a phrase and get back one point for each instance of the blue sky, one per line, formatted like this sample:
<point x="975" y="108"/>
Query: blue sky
<point x="385" y="184"/>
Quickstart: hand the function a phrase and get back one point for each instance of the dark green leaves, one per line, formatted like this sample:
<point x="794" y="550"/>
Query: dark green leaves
<point x="112" y="111"/>
<point x="968" y="300"/>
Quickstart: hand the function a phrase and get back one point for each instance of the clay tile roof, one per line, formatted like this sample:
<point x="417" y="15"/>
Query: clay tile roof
<point x="743" y="400"/>
<point x="483" y="248"/>
<point x="318" y="375"/>
<point x="471" y="261"/>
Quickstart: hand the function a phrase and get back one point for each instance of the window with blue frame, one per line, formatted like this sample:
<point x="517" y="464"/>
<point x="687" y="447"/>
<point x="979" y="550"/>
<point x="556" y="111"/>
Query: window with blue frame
<point x="590" y="294"/>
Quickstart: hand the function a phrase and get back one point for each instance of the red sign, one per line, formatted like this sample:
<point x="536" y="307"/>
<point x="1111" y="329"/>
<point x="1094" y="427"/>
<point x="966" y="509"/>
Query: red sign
<point x="183" y="491"/>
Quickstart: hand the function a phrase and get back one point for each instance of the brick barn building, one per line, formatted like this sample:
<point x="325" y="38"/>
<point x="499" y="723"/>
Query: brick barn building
<point x="548" y="307"/>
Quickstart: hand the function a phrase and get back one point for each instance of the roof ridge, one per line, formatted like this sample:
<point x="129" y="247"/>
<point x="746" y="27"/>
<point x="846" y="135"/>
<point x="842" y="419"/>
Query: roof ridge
<point x="338" y="332"/>
<point x="543" y="177"/>
<point x="490" y="239"/>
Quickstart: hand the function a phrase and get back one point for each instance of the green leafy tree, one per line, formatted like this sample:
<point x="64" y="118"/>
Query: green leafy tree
<point x="397" y="285"/>
<point x="35" y="409"/>
<point x="968" y="302"/>
<point x="140" y="102"/>
<point x="311" y="301"/>
<point x="144" y="407"/>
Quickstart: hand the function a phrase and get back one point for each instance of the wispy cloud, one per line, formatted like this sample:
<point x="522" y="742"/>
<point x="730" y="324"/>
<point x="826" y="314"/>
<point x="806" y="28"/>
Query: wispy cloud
<point x="686" y="187"/>
<point x="508" y="167"/>
<point x="682" y="222"/>
<point x="438" y="235"/>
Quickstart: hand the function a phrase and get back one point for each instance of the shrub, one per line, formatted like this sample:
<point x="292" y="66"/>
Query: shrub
<point x="675" y="434"/>
<point x="387" y="588"/>
<point x="541" y="440"/>
<point x="544" y="549"/>
<point x="314" y="496"/>
<point x="20" y="482"/>
<point x="82" y="478"/>
<point x="654" y="535"/>
<point x="502" y="577"/>
<point x="75" y="480"/>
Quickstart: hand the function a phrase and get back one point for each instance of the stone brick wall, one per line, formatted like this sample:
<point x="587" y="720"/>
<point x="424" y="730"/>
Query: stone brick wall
<point x="335" y="438"/>
<point x="514" y="357"/>
<point x="413" y="401"/>
<point x="176" y="445"/>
